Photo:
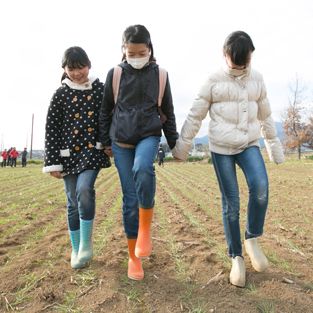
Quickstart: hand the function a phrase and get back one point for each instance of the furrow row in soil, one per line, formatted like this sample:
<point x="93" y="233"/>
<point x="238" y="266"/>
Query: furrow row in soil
<point x="279" y="270"/>
<point x="10" y="224"/>
<point x="286" y="246"/>
<point x="188" y="268"/>
<point x="17" y="236"/>
<point x="50" y="260"/>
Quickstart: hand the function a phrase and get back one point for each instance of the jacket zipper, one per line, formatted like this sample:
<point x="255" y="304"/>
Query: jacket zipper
<point x="140" y="103"/>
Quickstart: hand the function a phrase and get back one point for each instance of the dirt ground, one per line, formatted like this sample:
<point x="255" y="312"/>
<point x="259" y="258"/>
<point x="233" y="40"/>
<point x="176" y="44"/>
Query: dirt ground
<point x="188" y="270"/>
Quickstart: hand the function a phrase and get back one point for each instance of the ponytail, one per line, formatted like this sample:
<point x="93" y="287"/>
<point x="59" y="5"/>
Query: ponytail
<point x="63" y="76"/>
<point x="152" y="58"/>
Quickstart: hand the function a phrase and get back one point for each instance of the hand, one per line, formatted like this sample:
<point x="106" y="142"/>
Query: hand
<point x="177" y="159"/>
<point x="56" y="174"/>
<point x="108" y="151"/>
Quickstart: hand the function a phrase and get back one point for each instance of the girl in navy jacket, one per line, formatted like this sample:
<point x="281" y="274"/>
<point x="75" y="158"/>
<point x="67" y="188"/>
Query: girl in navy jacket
<point x="132" y="133"/>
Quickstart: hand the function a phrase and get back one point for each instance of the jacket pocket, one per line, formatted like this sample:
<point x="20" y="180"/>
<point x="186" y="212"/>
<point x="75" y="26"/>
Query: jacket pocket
<point x="126" y="125"/>
<point x="65" y="153"/>
<point x="151" y="123"/>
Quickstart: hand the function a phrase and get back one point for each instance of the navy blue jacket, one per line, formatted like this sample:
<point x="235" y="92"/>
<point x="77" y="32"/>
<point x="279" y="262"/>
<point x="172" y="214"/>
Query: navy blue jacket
<point x="160" y="154"/>
<point x="136" y="114"/>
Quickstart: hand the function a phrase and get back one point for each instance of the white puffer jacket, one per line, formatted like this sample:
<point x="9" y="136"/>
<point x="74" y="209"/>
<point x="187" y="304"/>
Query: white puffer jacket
<point x="240" y="113"/>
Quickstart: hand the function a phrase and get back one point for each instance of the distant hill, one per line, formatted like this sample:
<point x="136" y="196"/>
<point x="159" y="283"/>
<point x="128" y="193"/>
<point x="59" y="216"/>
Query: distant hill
<point x="205" y="140"/>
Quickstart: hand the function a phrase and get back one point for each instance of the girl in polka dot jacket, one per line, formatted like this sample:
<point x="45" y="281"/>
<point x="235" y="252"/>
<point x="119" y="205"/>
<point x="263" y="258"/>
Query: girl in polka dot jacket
<point x="72" y="150"/>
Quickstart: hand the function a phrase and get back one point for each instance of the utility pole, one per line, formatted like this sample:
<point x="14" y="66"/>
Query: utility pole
<point x="31" y="143"/>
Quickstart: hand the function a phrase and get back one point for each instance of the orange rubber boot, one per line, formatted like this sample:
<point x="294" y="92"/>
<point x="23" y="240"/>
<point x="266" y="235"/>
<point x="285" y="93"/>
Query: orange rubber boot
<point x="135" y="270"/>
<point x="143" y="245"/>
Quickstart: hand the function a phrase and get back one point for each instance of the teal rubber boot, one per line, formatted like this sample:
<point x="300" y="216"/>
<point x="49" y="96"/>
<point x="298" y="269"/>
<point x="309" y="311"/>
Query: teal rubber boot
<point x="85" y="251"/>
<point x="75" y="240"/>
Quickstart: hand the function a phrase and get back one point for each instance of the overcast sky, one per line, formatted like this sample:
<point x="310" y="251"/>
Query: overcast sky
<point x="187" y="37"/>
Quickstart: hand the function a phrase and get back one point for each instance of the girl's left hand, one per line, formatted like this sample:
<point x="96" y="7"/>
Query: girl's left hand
<point x="56" y="174"/>
<point x="108" y="151"/>
<point x="177" y="159"/>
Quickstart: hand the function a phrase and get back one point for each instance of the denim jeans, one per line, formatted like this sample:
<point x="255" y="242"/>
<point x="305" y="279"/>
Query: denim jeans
<point x="252" y="164"/>
<point x="79" y="189"/>
<point x="136" y="171"/>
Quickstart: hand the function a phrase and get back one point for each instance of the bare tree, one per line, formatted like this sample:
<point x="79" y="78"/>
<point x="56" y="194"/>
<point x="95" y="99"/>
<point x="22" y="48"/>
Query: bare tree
<point x="296" y="128"/>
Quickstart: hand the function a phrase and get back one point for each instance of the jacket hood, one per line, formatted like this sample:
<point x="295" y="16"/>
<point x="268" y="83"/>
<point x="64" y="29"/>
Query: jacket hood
<point x="128" y="67"/>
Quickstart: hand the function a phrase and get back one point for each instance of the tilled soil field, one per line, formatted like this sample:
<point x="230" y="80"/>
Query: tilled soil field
<point x="188" y="270"/>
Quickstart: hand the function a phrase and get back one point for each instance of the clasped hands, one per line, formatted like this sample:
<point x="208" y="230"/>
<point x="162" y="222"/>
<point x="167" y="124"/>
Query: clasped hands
<point x="108" y="151"/>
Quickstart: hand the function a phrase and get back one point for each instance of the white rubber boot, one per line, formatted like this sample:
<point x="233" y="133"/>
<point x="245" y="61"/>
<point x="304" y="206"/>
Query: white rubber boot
<point x="258" y="259"/>
<point x="238" y="272"/>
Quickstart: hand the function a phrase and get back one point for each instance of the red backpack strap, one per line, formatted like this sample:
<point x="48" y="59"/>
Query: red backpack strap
<point x="162" y="84"/>
<point x="116" y="84"/>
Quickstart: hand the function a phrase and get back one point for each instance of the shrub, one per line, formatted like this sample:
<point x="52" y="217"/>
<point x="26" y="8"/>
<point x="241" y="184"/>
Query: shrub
<point x="32" y="161"/>
<point x="194" y="158"/>
<point x="189" y="159"/>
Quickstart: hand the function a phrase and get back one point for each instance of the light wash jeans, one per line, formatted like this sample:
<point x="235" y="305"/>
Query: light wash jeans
<point x="136" y="171"/>
<point x="252" y="164"/>
<point x="80" y="192"/>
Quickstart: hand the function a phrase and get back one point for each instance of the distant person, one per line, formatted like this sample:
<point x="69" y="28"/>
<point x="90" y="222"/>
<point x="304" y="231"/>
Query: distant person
<point x="72" y="149"/>
<point x="161" y="155"/>
<point x="236" y="98"/>
<point x="9" y="157"/>
<point x="132" y="127"/>
<point x="4" y="156"/>
<point x="13" y="154"/>
<point x="24" y="157"/>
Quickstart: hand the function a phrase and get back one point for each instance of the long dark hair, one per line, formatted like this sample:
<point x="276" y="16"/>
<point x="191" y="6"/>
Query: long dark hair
<point x="74" y="57"/>
<point x="137" y="34"/>
<point x="238" y="45"/>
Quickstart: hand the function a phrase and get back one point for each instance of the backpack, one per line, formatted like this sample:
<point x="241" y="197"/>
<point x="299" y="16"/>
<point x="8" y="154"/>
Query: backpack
<point x="162" y="82"/>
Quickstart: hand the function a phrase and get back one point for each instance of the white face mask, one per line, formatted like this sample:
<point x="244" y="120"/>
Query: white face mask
<point x="138" y="63"/>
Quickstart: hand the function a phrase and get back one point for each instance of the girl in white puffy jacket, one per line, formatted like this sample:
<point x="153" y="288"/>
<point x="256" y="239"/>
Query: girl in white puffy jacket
<point x="235" y="97"/>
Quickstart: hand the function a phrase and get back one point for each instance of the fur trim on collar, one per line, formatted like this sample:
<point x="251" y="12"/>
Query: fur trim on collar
<point x="84" y="86"/>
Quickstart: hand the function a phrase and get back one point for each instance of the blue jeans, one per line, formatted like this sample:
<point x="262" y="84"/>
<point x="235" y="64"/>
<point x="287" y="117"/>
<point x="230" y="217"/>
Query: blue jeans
<point x="252" y="164"/>
<point x="80" y="192"/>
<point x="136" y="171"/>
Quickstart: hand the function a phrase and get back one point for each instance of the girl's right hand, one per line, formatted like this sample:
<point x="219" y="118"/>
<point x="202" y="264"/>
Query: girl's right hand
<point x="56" y="174"/>
<point x="108" y="151"/>
<point x="177" y="159"/>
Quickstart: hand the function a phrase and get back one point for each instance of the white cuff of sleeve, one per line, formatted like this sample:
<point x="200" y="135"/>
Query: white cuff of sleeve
<point x="52" y="168"/>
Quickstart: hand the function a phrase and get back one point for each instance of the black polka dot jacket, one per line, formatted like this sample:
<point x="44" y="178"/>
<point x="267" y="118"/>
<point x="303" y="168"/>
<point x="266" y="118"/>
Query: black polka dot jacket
<point x="71" y="140"/>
